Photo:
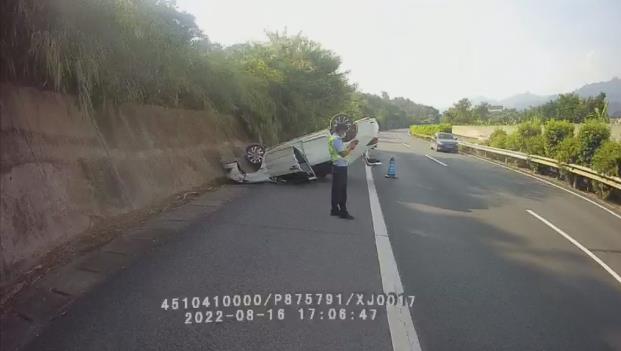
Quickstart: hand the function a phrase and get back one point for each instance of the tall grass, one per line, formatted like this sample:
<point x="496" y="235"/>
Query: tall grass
<point x="147" y="52"/>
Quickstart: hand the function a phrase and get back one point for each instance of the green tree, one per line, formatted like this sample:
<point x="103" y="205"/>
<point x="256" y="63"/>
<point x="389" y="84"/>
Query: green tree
<point x="303" y="81"/>
<point x="481" y="113"/>
<point x="148" y="52"/>
<point x="397" y="112"/>
<point x="459" y="113"/>
<point x="569" y="108"/>
<point x="596" y="107"/>
<point x="600" y="113"/>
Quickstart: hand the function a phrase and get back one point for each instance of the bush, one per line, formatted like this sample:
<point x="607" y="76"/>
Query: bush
<point x="498" y="139"/>
<point x="526" y="133"/>
<point x="590" y="137"/>
<point x="445" y="128"/>
<point x="534" y="145"/>
<point x="431" y="129"/>
<point x="568" y="151"/>
<point x="512" y="142"/>
<point x="607" y="159"/>
<point x="529" y="129"/>
<point x="554" y="133"/>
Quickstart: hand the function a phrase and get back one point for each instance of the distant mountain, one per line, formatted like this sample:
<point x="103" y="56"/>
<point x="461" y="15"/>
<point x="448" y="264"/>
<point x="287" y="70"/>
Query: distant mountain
<point x="525" y="100"/>
<point x="518" y="101"/>
<point x="612" y="88"/>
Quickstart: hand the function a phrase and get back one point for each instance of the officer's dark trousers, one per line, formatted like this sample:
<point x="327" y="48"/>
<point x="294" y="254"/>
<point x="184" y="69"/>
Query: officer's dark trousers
<point x="339" y="189"/>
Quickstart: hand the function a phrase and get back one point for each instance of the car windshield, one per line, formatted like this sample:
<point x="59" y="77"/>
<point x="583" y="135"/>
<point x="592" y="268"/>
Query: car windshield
<point x="448" y="136"/>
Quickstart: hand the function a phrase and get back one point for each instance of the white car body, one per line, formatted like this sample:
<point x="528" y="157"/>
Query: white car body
<point x="312" y="155"/>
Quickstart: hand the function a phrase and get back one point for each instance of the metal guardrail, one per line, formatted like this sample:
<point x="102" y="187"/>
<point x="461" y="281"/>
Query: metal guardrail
<point x="614" y="182"/>
<point x="513" y="154"/>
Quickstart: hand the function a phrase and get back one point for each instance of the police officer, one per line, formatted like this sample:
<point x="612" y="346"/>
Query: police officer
<point x="338" y="151"/>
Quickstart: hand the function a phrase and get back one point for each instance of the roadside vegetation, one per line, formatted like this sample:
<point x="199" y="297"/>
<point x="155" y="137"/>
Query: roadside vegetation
<point x="550" y="130"/>
<point x="148" y="52"/>
<point x="590" y="147"/>
<point x="568" y="107"/>
<point x="430" y="129"/>
<point x="555" y="139"/>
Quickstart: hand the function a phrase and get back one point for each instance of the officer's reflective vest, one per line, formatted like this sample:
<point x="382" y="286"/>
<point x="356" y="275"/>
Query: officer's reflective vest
<point x="334" y="155"/>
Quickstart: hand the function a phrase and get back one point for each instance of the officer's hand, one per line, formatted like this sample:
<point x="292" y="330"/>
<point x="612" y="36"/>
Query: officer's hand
<point x="353" y="144"/>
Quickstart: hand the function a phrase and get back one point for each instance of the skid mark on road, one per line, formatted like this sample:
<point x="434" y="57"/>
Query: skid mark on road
<point x="402" y="332"/>
<point x="578" y="245"/>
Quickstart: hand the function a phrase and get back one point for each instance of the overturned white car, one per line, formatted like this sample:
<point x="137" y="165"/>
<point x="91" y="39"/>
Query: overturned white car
<point x="306" y="157"/>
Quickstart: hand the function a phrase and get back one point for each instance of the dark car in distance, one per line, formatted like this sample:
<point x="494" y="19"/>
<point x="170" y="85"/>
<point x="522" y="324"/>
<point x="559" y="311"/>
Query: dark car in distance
<point x="444" y="142"/>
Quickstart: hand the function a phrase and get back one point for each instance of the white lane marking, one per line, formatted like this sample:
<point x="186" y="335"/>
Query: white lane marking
<point x="554" y="185"/>
<point x="433" y="159"/>
<point x="575" y="242"/>
<point x="402" y="332"/>
<point x="406" y="145"/>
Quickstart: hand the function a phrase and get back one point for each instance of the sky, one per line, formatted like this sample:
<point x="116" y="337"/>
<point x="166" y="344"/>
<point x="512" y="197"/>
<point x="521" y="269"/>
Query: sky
<point x="438" y="51"/>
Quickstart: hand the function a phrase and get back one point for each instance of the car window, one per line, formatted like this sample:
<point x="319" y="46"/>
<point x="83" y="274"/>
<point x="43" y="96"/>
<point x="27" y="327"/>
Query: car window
<point x="445" y="136"/>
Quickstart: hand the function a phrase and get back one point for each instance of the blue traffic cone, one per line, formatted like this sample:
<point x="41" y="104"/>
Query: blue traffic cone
<point x="392" y="169"/>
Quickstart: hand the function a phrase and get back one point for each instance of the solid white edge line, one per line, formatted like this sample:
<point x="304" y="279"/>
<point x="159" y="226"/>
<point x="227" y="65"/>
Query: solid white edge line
<point x="406" y="145"/>
<point x="402" y="332"/>
<point x="433" y="159"/>
<point x="578" y="245"/>
<point x="552" y="184"/>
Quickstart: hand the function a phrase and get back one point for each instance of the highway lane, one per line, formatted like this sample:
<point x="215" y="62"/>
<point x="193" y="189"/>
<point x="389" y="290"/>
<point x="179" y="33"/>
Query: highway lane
<point x="276" y="239"/>
<point x="486" y="274"/>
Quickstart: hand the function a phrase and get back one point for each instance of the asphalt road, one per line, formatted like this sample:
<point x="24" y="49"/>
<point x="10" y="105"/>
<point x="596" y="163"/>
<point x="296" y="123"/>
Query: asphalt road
<point x="486" y="274"/>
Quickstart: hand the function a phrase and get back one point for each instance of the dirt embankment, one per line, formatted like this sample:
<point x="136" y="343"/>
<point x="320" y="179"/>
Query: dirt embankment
<point x="64" y="171"/>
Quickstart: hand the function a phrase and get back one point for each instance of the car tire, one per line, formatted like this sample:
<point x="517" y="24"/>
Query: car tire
<point x="340" y="118"/>
<point x="255" y="153"/>
<point x="344" y="119"/>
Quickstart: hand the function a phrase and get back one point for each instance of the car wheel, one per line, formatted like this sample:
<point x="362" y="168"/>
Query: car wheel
<point x="340" y="118"/>
<point x="343" y="119"/>
<point x="255" y="154"/>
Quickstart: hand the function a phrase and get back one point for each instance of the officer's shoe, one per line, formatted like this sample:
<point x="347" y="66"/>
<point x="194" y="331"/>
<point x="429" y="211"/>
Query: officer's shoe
<point x="335" y="213"/>
<point x="346" y="216"/>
